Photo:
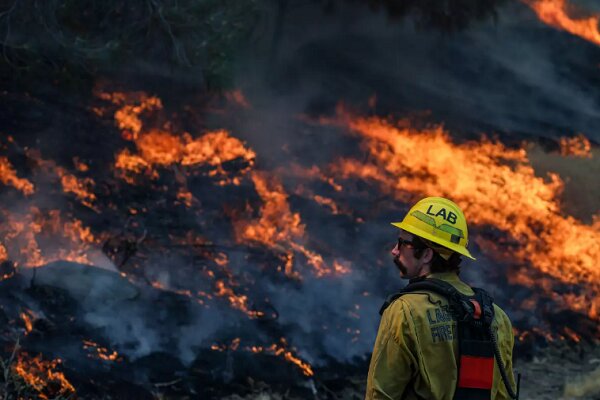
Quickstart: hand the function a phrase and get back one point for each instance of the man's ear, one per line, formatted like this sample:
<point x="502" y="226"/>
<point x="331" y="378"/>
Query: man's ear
<point x="427" y="255"/>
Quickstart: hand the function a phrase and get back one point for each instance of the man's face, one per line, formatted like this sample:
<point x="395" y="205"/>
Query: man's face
<point x="404" y="258"/>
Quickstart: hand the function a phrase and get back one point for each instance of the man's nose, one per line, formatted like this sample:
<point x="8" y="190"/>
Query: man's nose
<point x="395" y="250"/>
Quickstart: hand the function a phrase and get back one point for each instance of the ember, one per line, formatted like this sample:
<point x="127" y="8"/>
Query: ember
<point x="277" y="349"/>
<point x="3" y="254"/>
<point x="97" y="351"/>
<point x="27" y="321"/>
<point x="280" y="350"/>
<point x="239" y="302"/>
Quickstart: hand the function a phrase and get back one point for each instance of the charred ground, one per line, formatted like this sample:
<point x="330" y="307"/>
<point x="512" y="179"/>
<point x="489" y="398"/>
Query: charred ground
<point x="241" y="231"/>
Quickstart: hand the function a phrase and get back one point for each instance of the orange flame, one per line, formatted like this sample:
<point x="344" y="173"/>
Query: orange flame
<point x="577" y="146"/>
<point x="80" y="165"/>
<point x="27" y="321"/>
<point x="554" y="13"/>
<point x="33" y="237"/>
<point x="128" y="116"/>
<point x="101" y="352"/>
<point x="221" y="259"/>
<point x="494" y="185"/>
<point x="185" y="196"/>
<point x="3" y="254"/>
<point x="8" y="176"/>
<point x="279" y="228"/>
<point x="277" y="224"/>
<point x="278" y="350"/>
<point x="215" y="148"/>
<point x="42" y="377"/>
<point x="79" y="187"/>
<point x="327" y="202"/>
<point x="159" y="148"/>
<point x="239" y="302"/>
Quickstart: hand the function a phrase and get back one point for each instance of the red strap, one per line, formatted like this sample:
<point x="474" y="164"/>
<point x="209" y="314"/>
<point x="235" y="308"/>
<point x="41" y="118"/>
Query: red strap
<point x="477" y="313"/>
<point x="476" y="372"/>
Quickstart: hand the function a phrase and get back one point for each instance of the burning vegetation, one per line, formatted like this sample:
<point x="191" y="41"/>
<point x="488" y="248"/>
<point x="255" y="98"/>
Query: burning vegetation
<point x="556" y="13"/>
<point x="182" y="246"/>
<point x="496" y="186"/>
<point x="33" y="377"/>
<point x="265" y="239"/>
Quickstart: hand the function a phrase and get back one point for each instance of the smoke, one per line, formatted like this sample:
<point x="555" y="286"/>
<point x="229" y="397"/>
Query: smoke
<point x="584" y="385"/>
<point x="138" y="320"/>
<point x="514" y="75"/>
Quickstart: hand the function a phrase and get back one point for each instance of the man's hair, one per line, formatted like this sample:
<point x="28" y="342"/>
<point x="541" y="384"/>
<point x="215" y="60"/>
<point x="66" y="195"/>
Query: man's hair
<point x="438" y="263"/>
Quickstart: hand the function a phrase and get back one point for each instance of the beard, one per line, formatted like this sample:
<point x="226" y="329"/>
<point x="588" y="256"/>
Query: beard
<point x="400" y="266"/>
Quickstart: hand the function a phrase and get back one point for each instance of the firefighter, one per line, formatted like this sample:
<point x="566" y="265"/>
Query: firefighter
<point x="416" y="353"/>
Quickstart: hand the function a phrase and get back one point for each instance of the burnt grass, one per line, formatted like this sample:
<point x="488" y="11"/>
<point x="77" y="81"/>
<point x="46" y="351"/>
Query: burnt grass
<point x="73" y="303"/>
<point x="169" y="344"/>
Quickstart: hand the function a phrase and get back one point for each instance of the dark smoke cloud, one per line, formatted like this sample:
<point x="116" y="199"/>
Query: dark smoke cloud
<point x="513" y="75"/>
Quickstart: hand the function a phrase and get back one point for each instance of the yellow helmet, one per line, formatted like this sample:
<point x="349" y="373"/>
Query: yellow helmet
<point x="439" y="221"/>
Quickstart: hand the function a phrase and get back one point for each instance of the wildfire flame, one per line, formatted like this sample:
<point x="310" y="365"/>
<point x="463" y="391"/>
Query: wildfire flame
<point x="185" y="196"/>
<point x="35" y="235"/>
<point x="280" y="228"/>
<point x="128" y="116"/>
<point x="81" y="188"/>
<point x="159" y="148"/>
<point x="8" y="176"/>
<point x="494" y="185"/>
<point x="239" y="302"/>
<point x="554" y="13"/>
<point x="577" y="146"/>
<point x="27" y="321"/>
<point x="3" y="254"/>
<point x="42" y="376"/>
<point x="100" y="352"/>
<point x="277" y="349"/>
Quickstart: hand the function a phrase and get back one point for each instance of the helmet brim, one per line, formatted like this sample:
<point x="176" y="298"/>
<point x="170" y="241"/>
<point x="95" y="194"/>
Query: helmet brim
<point x="428" y="236"/>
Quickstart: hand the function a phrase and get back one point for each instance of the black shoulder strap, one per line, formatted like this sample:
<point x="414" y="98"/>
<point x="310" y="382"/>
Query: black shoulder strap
<point x="429" y="285"/>
<point x="462" y="307"/>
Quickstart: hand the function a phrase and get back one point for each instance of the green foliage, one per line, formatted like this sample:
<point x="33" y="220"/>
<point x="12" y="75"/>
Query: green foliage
<point x="83" y="37"/>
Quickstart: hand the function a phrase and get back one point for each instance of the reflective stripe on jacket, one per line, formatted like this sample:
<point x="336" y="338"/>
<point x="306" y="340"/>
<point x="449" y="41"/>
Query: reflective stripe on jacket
<point x="416" y="350"/>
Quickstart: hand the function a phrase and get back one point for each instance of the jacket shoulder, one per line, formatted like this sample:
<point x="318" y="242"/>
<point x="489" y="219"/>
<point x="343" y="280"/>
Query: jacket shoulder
<point x="501" y="317"/>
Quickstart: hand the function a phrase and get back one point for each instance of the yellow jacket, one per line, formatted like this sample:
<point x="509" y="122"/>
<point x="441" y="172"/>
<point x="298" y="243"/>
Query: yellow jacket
<point x="415" y="352"/>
